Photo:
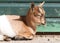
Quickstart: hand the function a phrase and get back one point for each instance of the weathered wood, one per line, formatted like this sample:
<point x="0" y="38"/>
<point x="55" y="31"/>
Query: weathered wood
<point x="38" y="39"/>
<point x="52" y="9"/>
<point x="25" y="1"/>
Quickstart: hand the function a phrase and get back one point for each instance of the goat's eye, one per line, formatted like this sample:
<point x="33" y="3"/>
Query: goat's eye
<point x="36" y="15"/>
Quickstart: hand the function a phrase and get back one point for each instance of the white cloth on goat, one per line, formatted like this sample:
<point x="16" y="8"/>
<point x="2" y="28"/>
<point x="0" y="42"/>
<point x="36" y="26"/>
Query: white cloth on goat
<point x="5" y="27"/>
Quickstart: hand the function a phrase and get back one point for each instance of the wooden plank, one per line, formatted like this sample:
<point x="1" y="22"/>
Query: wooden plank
<point x="24" y="1"/>
<point x="38" y="39"/>
<point x="52" y="9"/>
<point x="52" y="25"/>
<point x="53" y="20"/>
<point x="49" y="27"/>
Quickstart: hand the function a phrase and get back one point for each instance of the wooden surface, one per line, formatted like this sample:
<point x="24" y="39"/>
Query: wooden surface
<point x="20" y="1"/>
<point x="38" y="39"/>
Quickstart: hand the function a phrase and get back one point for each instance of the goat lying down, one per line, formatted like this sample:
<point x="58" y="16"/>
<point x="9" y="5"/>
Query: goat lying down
<point x="22" y="26"/>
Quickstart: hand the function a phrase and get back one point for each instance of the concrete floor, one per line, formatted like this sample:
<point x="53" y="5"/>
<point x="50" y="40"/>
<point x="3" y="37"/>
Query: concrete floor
<point x="38" y="39"/>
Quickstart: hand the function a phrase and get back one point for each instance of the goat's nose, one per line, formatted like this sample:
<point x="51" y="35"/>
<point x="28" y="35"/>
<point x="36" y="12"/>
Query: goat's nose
<point x="43" y="23"/>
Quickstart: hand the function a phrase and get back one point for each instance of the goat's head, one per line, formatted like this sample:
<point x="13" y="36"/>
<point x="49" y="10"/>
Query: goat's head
<point x="38" y="14"/>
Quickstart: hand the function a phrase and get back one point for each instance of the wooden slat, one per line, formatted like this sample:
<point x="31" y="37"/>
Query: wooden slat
<point x="52" y="9"/>
<point x="49" y="27"/>
<point x="24" y="1"/>
<point x="53" y="20"/>
<point x="52" y="25"/>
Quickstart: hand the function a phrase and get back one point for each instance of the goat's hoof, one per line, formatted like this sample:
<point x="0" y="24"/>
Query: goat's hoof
<point x="29" y="38"/>
<point x="7" y="39"/>
<point x="17" y="38"/>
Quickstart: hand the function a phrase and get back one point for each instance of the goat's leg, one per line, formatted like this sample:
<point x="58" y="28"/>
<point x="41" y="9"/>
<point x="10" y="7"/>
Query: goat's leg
<point x="6" y="38"/>
<point x="17" y="37"/>
<point x="24" y="36"/>
<point x="28" y="35"/>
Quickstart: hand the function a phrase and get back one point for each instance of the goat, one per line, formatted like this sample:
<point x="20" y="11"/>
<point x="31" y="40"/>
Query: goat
<point x="22" y="26"/>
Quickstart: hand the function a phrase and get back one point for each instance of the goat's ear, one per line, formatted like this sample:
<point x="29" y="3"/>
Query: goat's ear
<point x="32" y="5"/>
<point x="41" y="4"/>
